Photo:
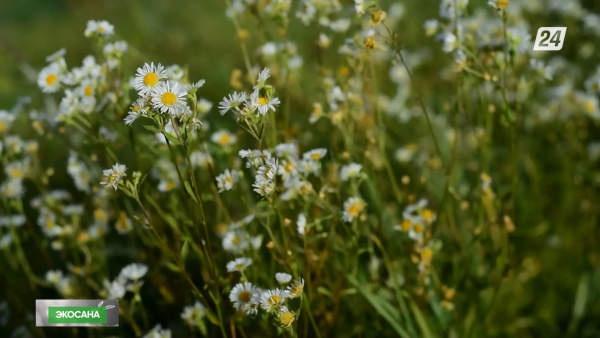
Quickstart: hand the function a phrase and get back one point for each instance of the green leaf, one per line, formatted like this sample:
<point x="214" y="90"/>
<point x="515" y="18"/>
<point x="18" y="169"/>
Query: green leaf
<point x="421" y="320"/>
<point x="172" y="138"/>
<point x="190" y="192"/>
<point x="382" y="306"/>
<point x="172" y="267"/>
<point x="185" y="249"/>
<point x="151" y="128"/>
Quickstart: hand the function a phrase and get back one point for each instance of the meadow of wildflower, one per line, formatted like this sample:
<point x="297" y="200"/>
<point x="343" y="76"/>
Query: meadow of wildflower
<point x="305" y="169"/>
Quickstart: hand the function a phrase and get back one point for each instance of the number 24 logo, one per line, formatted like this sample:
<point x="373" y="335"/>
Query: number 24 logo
<point x="556" y="35"/>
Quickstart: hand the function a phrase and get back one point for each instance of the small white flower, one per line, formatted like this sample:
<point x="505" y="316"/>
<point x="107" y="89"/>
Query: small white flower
<point x="223" y="138"/>
<point x="273" y="299"/>
<point x="295" y="290"/>
<point x="192" y="314"/>
<point x="289" y="150"/>
<point x="349" y="171"/>
<point x="101" y="28"/>
<point x="263" y="104"/>
<point x="227" y="179"/>
<point x="115" y="289"/>
<point x="6" y="240"/>
<point x="263" y="76"/>
<point x="301" y="223"/>
<point x="241" y="295"/>
<point x="315" y="154"/>
<point x="147" y="77"/>
<point x="233" y="101"/>
<point x="134" y="271"/>
<point x="239" y="264"/>
<point x="54" y="276"/>
<point x="112" y="177"/>
<point x="283" y="278"/>
<point x="49" y="78"/>
<point x="263" y="187"/>
<point x="352" y="208"/>
<point x="169" y="97"/>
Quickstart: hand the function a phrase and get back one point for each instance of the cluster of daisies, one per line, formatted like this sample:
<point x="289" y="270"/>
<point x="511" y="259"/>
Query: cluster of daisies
<point x="250" y="299"/>
<point x="257" y="103"/>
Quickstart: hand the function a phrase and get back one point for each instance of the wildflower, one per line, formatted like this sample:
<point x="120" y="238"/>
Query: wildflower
<point x="499" y="4"/>
<point x="301" y="224"/>
<point x="352" y="208"/>
<point x="233" y="101"/>
<point x="286" y="150"/>
<point x="263" y="187"/>
<point x="223" y="138"/>
<point x="167" y="185"/>
<point x="49" y="78"/>
<point x="200" y="159"/>
<point x="12" y="189"/>
<point x="369" y="42"/>
<point x="56" y="56"/>
<point x="359" y="6"/>
<point x="271" y="300"/>
<point x="431" y="27"/>
<point x="54" y="276"/>
<point x="227" y="179"/>
<point x="133" y="271"/>
<point x="283" y="278"/>
<point x="316" y="113"/>
<point x="263" y="76"/>
<point x="114" y="289"/>
<point x="112" y="177"/>
<point x="101" y="28"/>
<point x="545" y="72"/>
<point x="315" y="154"/>
<point x="158" y="332"/>
<point x="5" y="241"/>
<point x="377" y="17"/>
<point x="137" y="108"/>
<point x="123" y="223"/>
<point x="169" y="97"/>
<point x="286" y="317"/>
<point x="193" y="87"/>
<point x="324" y="41"/>
<point x="192" y="314"/>
<point x="405" y="154"/>
<point x="295" y="290"/>
<point x="241" y="295"/>
<point x="204" y="106"/>
<point x="239" y="264"/>
<point x="350" y="171"/>
<point x="15" y="170"/>
<point x="263" y="104"/>
<point x="235" y="241"/>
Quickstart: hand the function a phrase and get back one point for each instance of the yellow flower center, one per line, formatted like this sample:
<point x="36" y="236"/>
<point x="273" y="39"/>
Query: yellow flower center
<point x="286" y="318"/>
<point x="100" y="215"/>
<point x="405" y="225"/>
<point x="236" y="240"/>
<point x="135" y="108"/>
<point x="426" y="254"/>
<point x="16" y="173"/>
<point x="595" y="87"/>
<point x="418" y="228"/>
<point x="150" y="79"/>
<point x="262" y="100"/>
<point x="244" y="296"/>
<point x="170" y="185"/>
<point x="502" y="4"/>
<point x="51" y="79"/>
<point x="168" y="99"/>
<point x="274" y="300"/>
<point x="88" y="90"/>
<point x="297" y="290"/>
<point x="353" y="210"/>
<point x="36" y="125"/>
<point x="2" y="127"/>
<point x="427" y="214"/>
<point x="315" y="156"/>
<point x="49" y="224"/>
<point x="589" y="106"/>
<point x="224" y="139"/>
<point x="239" y="266"/>
<point x="228" y="179"/>
<point x="100" y="29"/>
<point x="288" y="167"/>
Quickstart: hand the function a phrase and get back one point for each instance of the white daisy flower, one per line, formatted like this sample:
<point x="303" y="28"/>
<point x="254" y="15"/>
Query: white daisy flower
<point x="239" y="264"/>
<point x="101" y="27"/>
<point x="431" y="27"/>
<point x="295" y="290"/>
<point x="192" y="314"/>
<point x="287" y="169"/>
<point x="235" y="241"/>
<point x="283" y="278"/>
<point x="268" y="171"/>
<point x="12" y="189"/>
<point x="315" y="154"/>
<point x="350" y="171"/>
<point x="263" y="76"/>
<point x="301" y="224"/>
<point x="204" y="106"/>
<point x="273" y="299"/>
<point x="200" y="159"/>
<point x="169" y="97"/>
<point x="158" y="332"/>
<point x="309" y="167"/>
<point x="56" y="56"/>
<point x="49" y="78"/>
<point x="166" y="185"/>
<point x="54" y="276"/>
<point x="175" y="73"/>
<point x="233" y="101"/>
<point x="193" y="87"/>
<point x="264" y="187"/>
<point x="263" y="104"/>
<point x="286" y="150"/>
<point x="416" y="231"/>
<point x="113" y="176"/>
<point x="6" y="240"/>
<point x="114" y="289"/>
<point x="134" y="271"/>
<point x="148" y="77"/>
<point x="352" y="208"/>
<point x="227" y="179"/>
<point x="223" y="138"/>
<point x="123" y="224"/>
<point x="241" y="295"/>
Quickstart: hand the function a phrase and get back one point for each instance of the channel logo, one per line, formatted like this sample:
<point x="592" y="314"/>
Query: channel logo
<point x="76" y="312"/>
